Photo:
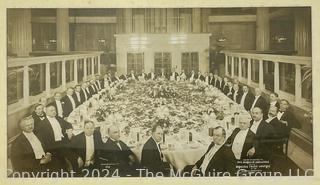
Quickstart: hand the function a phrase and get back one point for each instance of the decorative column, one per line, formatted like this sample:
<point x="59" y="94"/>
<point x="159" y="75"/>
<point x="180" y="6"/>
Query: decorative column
<point x="128" y="20"/>
<point x="196" y="20"/>
<point x="276" y="77"/>
<point x="63" y="30"/>
<point x="19" y="28"/>
<point x="92" y="66"/>
<point x="226" y="65"/>
<point x="302" y="32"/>
<point x="263" y="29"/>
<point x="26" y="85"/>
<point x="298" y="90"/>
<point x="84" y="69"/>
<point x="249" y="71"/>
<point x="261" y="83"/>
<point x="170" y="20"/>
<point x="99" y="65"/>
<point x="75" y="70"/>
<point x="232" y="66"/>
<point x="63" y="75"/>
<point x="240" y="68"/>
<point x="48" y="79"/>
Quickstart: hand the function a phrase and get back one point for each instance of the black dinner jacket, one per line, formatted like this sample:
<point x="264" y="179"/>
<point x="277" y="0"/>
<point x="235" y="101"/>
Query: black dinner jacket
<point x="201" y="77"/>
<point x="62" y="105"/>
<point x="149" y="76"/>
<point x="92" y="89"/>
<point x="175" y="75"/>
<point x="238" y="96"/>
<point x="37" y="121"/>
<point x="67" y="108"/>
<point x="222" y="161"/>
<point x="279" y="131"/>
<point x="46" y="134"/>
<point x="22" y="155"/>
<point x="75" y="98"/>
<point x="261" y="103"/>
<point x="248" y="143"/>
<point x="111" y="151"/>
<point x="217" y="84"/>
<point x="97" y="83"/>
<point x="150" y="157"/>
<point x="77" y="146"/>
<point x="291" y="119"/>
<point x="82" y="95"/>
<point x="211" y="80"/>
<point x="247" y="101"/>
<point x="225" y="89"/>
<point x="263" y="140"/>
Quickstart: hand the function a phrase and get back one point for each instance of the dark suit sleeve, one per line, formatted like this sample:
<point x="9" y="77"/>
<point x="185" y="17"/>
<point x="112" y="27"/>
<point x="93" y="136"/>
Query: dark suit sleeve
<point x="230" y="162"/>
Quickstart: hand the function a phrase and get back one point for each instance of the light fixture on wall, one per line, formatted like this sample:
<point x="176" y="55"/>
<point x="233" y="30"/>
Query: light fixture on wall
<point x="280" y="38"/>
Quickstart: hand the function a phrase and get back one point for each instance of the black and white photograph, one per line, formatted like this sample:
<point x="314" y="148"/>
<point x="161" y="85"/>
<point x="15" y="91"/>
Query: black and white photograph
<point x="149" y="92"/>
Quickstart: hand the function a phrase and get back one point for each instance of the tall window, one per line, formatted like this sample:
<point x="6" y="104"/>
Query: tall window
<point x="162" y="60"/>
<point x="189" y="62"/>
<point x="135" y="62"/>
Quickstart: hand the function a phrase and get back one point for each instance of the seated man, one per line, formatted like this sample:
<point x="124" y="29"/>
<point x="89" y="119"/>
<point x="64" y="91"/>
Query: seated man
<point x="152" y="157"/>
<point x="287" y="117"/>
<point x="69" y="103"/>
<point x="38" y="116"/>
<point x="260" y="102"/>
<point x="218" y="158"/>
<point x="118" y="153"/>
<point x="262" y="143"/>
<point x="85" y="148"/>
<point x="241" y="139"/>
<point x="28" y="153"/>
<point x="56" y="133"/>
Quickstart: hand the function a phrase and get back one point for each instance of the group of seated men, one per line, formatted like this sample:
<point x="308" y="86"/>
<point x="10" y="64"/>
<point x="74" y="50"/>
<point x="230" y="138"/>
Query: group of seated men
<point x="47" y="142"/>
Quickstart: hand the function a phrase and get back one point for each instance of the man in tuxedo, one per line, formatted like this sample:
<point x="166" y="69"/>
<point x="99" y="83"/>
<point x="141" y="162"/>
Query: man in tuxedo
<point x="162" y="75"/>
<point x="116" y="77"/>
<point x="132" y="76"/>
<point x="217" y="81"/>
<point x="260" y="102"/>
<point x="84" y="94"/>
<point x="241" y="139"/>
<point x="224" y="85"/>
<point x="211" y="79"/>
<point x="152" y="157"/>
<point x="92" y="87"/>
<point x="56" y="133"/>
<point x="287" y="117"/>
<point x="218" y="158"/>
<point x="28" y="153"/>
<point x="69" y="103"/>
<point x="77" y="95"/>
<point x="280" y="130"/>
<point x="236" y="94"/>
<point x="142" y="76"/>
<point x="38" y="116"/>
<point x="173" y="75"/>
<point x="273" y="100"/>
<point x="58" y="104"/>
<point x="246" y="98"/>
<point x="262" y="143"/>
<point x="151" y="75"/>
<point x="89" y="89"/>
<point x="85" y="148"/>
<point x="183" y="76"/>
<point x="200" y="76"/>
<point x="192" y="76"/>
<point x="117" y="152"/>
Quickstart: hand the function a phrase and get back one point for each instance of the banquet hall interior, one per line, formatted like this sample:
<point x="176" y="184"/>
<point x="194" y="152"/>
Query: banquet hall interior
<point x="51" y="51"/>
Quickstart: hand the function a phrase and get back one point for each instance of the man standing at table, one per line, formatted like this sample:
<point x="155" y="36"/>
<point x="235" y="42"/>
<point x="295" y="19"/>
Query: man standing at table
<point x="218" y="158"/>
<point x="260" y="102"/>
<point x="152" y="157"/>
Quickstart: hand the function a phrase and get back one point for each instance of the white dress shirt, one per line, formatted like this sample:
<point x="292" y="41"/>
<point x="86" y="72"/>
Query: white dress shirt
<point x="235" y="95"/>
<point x="238" y="143"/>
<point x="243" y="98"/>
<point x="85" y="94"/>
<point x="152" y="75"/>
<point x="208" y="157"/>
<point x="35" y="144"/>
<point x="273" y="103"/>
<point x="72" y="102"/>
<point x="117" y="142"/>
<point x="78" y="96"/>
<point x="59" y="108"/>
<point x="57" y="131"/>
<point x="255" y="125"/>
<point x="89" y="148"/>
<point x="279" y="115"/>
<point x="255" y="101"/>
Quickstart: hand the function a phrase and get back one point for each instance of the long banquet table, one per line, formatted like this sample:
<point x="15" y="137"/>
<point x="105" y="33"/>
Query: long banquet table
<point x="184" y="110"/>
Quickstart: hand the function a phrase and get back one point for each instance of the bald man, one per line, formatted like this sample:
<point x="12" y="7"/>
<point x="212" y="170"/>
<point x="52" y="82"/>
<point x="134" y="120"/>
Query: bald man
<point x="118" y="153"/>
